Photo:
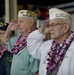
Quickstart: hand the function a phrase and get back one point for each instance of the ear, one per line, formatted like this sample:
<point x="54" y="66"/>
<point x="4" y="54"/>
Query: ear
<point x="31" y="21"/>
<point x="66" y="28"/>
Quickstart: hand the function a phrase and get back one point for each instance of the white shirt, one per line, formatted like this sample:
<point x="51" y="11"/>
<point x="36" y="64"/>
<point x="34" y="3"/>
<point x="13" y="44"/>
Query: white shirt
<point x="39" y="50"/>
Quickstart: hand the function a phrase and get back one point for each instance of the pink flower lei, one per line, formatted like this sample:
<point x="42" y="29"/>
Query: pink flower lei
<point x="56" y="56"/>
<point x="19" y="45"/>
<point x="3" y="49"/>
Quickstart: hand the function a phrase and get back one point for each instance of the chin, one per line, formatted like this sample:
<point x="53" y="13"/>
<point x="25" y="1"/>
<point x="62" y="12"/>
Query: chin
<point x="52" y="37"/>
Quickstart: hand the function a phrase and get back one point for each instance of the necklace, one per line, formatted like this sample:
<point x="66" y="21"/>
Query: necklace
<point x="19" y="45"/>
<point x="54" y="57"/>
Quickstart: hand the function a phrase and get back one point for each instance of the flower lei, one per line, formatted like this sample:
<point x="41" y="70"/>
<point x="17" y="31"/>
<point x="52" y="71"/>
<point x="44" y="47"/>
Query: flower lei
<point x="55" y="58"/>
<point x="3" y="48"/>
<point x="19" y="45"/>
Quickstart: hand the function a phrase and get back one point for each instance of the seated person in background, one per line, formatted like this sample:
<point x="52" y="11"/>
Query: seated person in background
<point x="5" y="56"/>
<point x="23" y="63"/>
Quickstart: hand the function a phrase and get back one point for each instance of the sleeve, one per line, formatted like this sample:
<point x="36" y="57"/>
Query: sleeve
<point x="34" y="41"/>
<point x="34" y="65"/>
<point x="11" y="42"/>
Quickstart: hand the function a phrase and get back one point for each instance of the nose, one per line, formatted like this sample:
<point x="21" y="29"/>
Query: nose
<point x="18" y="24"/>
<point x="50" y="28"/>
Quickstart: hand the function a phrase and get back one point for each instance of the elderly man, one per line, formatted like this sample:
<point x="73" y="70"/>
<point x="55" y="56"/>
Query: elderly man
<point x="56" y="55"/>
<point x="23" y="63"/>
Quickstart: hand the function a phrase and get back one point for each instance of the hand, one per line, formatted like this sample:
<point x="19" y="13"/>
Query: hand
<point x="44" y="27"/>
<point x="13" y="25"/>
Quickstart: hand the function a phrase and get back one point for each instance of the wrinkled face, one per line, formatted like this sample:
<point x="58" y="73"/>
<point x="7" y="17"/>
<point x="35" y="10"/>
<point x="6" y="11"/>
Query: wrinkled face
<point x="23" y="24"/>
<point x="57" y="28"/>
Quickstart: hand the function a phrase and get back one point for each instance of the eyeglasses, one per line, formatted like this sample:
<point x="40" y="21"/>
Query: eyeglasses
<point x="53" y="25"/>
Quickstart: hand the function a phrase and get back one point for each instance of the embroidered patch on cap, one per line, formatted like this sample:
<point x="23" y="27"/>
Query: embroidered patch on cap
<point x="27" y="13"/>
<point x="58" y="13"/>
